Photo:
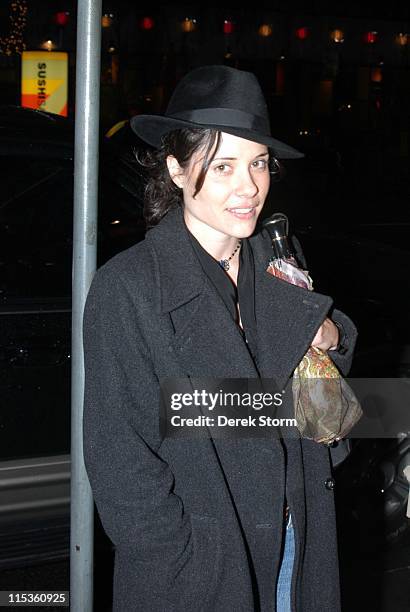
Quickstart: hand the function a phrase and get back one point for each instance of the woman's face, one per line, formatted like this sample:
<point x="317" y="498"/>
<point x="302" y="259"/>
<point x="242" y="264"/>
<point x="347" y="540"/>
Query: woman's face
<point x="233" y="193"/>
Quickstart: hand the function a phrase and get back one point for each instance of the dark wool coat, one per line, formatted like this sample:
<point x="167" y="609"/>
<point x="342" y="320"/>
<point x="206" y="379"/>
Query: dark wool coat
<point x="197" y="524"/>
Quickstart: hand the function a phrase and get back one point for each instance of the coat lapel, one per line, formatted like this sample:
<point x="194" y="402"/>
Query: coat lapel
<point x="287" y="317"/>
<point x="205" y="336"/>
<point x="206" y="339"/>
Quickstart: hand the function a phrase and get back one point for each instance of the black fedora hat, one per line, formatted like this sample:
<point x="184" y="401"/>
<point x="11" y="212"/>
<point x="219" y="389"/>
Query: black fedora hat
<point x="219" y="97"/>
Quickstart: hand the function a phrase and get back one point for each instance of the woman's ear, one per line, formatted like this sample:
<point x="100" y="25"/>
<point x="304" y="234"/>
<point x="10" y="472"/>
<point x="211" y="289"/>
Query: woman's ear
<point x="175" y="171"/>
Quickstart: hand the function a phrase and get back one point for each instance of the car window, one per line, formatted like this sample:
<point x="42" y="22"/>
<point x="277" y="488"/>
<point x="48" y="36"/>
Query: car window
<point x="36" y="224"/>
<point x="36" y="229"/>
<point x="20" y="176"/>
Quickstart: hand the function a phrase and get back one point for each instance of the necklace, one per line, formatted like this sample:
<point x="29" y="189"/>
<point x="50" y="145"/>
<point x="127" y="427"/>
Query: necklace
<point x="224" y="263"/>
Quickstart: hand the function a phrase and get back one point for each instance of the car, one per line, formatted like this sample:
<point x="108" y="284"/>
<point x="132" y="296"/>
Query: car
<point x="36" y="220"/>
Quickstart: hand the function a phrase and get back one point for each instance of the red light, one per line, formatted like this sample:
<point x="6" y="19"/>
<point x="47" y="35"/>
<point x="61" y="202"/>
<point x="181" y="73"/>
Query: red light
<point x="370" y="38"/>
<point x="147" y="23"/>
<point x="228" y="26"/>
<point x="61" y="18"/>
<point x="302" y="33"/>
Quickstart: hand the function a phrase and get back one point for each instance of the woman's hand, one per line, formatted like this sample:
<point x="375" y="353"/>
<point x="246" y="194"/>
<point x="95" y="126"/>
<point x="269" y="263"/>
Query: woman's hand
<point x="327" y="336"/>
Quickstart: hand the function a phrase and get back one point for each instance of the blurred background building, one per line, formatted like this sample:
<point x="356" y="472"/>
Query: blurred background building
<point x="336" y="75"/>
<point x="317" y="61"/>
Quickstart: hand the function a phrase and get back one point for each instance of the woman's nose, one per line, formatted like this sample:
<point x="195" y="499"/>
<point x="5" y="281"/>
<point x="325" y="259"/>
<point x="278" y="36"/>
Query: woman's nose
<point x="246" y="186"/>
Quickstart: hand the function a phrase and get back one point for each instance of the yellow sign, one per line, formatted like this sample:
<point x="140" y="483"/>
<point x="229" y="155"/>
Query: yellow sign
<point x="44" y="77"/>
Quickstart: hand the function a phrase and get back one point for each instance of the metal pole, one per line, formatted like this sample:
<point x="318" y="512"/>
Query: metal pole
<point x="87" y="105"/>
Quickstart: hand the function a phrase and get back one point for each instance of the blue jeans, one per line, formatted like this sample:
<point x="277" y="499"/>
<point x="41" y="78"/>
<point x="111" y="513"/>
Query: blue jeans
<point x="286" y="569"/>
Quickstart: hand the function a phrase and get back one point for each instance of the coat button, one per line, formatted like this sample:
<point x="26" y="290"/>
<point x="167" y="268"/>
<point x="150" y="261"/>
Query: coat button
<point x="330" y="484"/>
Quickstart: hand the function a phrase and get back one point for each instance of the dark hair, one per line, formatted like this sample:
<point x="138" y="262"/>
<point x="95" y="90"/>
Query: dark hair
<point x="161" y="193"/>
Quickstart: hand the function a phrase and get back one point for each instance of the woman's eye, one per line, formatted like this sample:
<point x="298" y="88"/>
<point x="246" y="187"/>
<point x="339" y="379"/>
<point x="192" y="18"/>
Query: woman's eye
<point x="222" y="168"/>
<point x="260" y="164"/>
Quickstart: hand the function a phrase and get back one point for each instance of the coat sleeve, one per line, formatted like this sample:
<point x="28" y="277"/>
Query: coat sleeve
<point x="344" y="360"/>
<point x="132" y="485"/>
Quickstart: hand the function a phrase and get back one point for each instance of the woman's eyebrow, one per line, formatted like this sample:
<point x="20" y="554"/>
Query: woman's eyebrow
<point x="234" y="158"/>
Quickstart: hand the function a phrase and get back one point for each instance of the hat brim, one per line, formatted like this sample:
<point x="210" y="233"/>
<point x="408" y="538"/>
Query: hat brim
<point x="151" y="128"/>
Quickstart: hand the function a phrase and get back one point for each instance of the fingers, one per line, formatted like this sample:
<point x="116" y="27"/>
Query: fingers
<point x="327" y="336"/>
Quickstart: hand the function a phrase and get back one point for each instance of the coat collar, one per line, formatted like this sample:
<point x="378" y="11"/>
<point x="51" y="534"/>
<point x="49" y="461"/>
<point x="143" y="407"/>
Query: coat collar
<point x="181" y="275"/>
<point x="287" y="316"/>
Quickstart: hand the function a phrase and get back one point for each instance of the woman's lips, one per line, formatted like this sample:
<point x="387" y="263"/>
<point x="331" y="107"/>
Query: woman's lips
<point x="243" y="213"/>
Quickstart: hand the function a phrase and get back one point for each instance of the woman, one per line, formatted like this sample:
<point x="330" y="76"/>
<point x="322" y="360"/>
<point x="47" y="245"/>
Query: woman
<point x="207" y="523"/>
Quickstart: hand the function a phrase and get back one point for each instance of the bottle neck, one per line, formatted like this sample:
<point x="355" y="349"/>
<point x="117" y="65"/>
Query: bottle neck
<point x="281" y="248"/>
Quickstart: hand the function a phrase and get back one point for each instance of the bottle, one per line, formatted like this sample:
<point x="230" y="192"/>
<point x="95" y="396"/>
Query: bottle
<point x="283" y="264"/>
<point x="278" y="228"/>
